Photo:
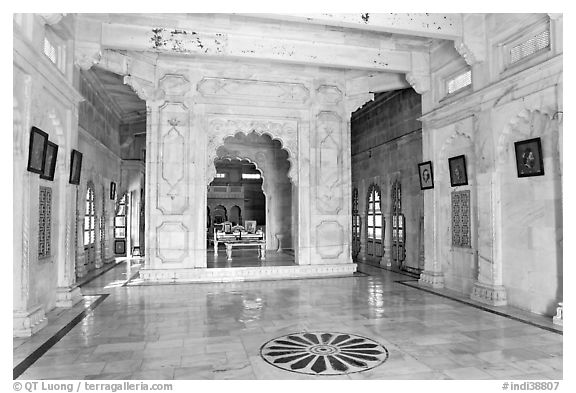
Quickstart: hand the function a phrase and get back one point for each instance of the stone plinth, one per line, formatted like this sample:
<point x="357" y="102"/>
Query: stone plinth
<point x="247" y="273"/>
<point x="494" y="295"/>
<point x="431" y="279"/>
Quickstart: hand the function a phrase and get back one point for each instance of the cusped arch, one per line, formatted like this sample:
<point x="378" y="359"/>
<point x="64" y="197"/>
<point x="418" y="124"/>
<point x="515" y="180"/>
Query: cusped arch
<point x="526" y="124"/>
<point x="256" y="163"/>
<point x="284" y="132"/>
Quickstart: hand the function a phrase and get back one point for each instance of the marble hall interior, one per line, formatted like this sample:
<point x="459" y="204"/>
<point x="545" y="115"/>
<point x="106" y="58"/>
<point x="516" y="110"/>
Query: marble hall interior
<point x="287" y="196"/>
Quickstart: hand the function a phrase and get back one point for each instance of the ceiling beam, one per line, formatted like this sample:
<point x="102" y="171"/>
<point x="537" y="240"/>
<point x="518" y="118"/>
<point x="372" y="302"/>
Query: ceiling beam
<point x="439" y="26"/>
<point x="373" y="56"/>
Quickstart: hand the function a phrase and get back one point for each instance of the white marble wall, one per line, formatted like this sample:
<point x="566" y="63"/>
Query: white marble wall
<point x="516" y="253"/>
<point x="44" y="97"/>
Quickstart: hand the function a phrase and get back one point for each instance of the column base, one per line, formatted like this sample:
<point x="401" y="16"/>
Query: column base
<point x="558" y="319"/>
<point x="67" y="297"/>
<point x="494" y="295"/>
<point x="28" y="322"/>
<point x="81" y="271"/>
<point x="431" y="279"/>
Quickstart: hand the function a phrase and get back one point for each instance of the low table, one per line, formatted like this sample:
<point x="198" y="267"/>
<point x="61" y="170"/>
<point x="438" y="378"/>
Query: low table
<point x="260" y="244"/>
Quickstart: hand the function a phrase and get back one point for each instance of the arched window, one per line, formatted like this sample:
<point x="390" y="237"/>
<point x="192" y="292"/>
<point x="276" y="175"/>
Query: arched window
<point x="89" y="217"/>
<point x="355" y="224"/>
<point x="374" y="222"/>
<point x="398" y="225"/>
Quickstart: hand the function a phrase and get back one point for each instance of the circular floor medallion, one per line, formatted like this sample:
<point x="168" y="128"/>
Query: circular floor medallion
<point x="324" y="353"/>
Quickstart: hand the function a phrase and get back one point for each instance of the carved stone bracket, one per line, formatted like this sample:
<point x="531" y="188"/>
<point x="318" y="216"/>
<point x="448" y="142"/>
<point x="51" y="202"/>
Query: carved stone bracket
<point x="420" y="82"/>
<point x="284" y="131"/>
<point x="471" y="46"/>
<point x="51" y="19"/>
<point x="87" y="54"/>
<point x="419" y="75"/>
<point x="144" y="89"/>
<point x="494" y="295"/>
<point x="354" y="102"/>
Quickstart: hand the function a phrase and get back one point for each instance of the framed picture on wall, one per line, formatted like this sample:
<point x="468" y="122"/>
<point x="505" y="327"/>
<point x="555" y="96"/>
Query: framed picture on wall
<point x="426" y="175"/>
<point x="529" y="161"/>
<point x="458" y="175"/>
<point x="250" y="226"/>
<point x="37" y="150"/>
<point x="112" y="190"/>
<point x="75" y="167"/>
<point x="119" y="247"/>
<point x="50" y="161"/>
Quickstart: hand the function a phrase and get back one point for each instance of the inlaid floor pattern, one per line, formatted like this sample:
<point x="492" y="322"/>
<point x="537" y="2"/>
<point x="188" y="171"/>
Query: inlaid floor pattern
<point x="227" y="331"/>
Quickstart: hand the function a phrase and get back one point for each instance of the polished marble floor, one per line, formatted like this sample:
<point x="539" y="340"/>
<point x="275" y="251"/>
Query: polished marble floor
<point x="216" y="331"/>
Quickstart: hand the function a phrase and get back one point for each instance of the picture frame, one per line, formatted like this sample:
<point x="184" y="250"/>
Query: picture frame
<point x="112" y="190"/>
<point x="75" y="167"/>
<point x="50" y="161"/>
<point x="426" y="175"/>
<point x="458" y="174"/>
<point x="250" y="226"/>
<point x="529" y="160"/>
<point x="37" y="150"/>
<point x="119" y="247"/>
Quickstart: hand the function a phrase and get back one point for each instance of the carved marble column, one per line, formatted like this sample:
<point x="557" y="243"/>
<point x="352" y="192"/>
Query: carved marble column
<point x="28" y="317"/>
<point x="432" y="274"/>
<point x="488" y="287"/>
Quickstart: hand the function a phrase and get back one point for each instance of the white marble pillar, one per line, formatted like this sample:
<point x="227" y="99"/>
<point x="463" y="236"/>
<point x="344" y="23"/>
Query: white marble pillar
<point x="488" y="287"/>
<point x="432" y="274"/>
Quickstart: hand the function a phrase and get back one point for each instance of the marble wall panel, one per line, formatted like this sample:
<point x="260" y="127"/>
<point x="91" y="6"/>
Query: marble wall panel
<point x="173" y="158"/>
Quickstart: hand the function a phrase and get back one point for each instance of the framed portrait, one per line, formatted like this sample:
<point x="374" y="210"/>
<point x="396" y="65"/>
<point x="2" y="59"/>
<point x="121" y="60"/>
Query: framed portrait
<point x="458" y="175"/>
<point x="37" y="150"/>
<point x="250" y="226"/>
<point x="75" y="167"/>
<point x="426" y="175"/>
<point x="112" y="190"/>
<point x="50" y="161"/>
<point x="119" y="247"/>
<point x="529" y="161"/>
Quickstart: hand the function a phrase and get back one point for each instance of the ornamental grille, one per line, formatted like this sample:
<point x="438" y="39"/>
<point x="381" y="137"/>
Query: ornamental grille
<point x="530" y="47"/>
<point x="45" y="220"/>
<point x="461" y="219"/>
<point x="49" y="50"/>
<point x="460" y="82"/>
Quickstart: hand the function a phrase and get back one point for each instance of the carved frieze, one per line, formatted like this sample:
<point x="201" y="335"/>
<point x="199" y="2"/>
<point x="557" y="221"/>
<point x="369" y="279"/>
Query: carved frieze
<point x="329" y="239"/>
<point x="174" y="85"/>
<point x="329" y="163"/>
<point x="219" y="128"/>
<point x="172" y="191"/>
<point x="253" y="89"/>
<point x="329" y="94"/>
<point x="172" y="241"/>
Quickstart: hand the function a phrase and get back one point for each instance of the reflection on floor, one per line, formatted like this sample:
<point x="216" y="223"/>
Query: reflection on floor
<point x="217" y="331"/>
<point x="248" y="258"/>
